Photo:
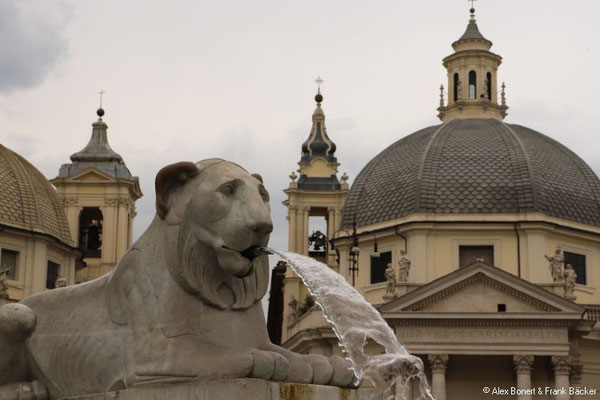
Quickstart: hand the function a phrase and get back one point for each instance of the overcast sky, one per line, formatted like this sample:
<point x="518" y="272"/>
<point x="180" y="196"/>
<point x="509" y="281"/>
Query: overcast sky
<point x="188" y="80"/>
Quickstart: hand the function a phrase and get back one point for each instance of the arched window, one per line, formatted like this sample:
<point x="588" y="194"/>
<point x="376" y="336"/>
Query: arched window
<point x="488" y="84"/>
<point x="456" y="88"/>
<point x="472" y="85"/>
<point x="90" y="232"/>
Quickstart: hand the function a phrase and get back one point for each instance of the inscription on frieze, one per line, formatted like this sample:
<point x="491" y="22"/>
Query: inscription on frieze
<point x="481" y="335"/>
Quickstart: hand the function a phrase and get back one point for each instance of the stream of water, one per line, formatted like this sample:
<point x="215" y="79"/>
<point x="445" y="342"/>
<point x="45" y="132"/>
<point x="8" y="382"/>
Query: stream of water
<point x="355" y="321"/>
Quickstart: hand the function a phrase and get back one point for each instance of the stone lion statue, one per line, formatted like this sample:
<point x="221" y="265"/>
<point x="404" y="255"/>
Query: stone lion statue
<point x="183" y="303"/>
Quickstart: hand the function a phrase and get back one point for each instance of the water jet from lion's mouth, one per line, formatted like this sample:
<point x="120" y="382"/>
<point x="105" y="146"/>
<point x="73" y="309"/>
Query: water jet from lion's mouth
<point x="251" y="252"/>
<point x="354" y="321"/>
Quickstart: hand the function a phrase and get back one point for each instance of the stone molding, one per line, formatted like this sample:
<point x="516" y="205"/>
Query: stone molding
<point x="438" y="363"/>
<point x="479" y="322"/>
<point x="481" y="278"/>
<point x="239" y="389"/>
<point x="561" y="365"/>
<point x="70" y="201"/>
<point x="523" y="364"/>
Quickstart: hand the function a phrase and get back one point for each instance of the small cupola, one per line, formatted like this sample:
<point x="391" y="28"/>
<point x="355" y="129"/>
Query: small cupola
<point x="472" y="78"/>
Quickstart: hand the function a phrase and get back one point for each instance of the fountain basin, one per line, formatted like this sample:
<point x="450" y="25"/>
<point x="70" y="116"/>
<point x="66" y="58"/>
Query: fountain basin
<point x="229" y="389"/>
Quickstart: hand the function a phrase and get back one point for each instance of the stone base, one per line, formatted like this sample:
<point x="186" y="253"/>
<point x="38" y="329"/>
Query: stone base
<point x="233" y="389"/>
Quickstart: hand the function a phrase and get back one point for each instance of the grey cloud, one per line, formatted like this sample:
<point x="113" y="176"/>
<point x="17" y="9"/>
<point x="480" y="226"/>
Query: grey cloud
<point x="32" y="41"/>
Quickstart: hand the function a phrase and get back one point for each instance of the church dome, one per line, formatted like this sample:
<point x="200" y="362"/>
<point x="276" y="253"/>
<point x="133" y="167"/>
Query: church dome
<point x="474" y="166"/>
<point x="27" y="200"/>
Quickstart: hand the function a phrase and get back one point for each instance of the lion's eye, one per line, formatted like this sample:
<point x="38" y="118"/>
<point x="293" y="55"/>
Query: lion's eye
<point x="263" y="193"/>
<point x="227" y="189"/>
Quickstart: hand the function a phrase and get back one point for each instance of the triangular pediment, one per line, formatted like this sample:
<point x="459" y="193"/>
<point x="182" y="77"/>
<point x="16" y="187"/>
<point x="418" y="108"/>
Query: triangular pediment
<point x="479" y="289"/>
<point x="91" y="175"/>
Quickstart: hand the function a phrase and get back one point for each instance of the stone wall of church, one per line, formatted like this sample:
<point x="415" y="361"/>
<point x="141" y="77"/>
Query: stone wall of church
<point x="434" y="251"/>
<point x="33" y="254"/>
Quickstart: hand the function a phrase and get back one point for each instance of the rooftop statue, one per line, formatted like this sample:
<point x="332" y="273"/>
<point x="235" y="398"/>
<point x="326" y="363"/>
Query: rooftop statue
<point x="556" y="265"/>
<point x="404" y="264"/>
<point x="183" y="304"/>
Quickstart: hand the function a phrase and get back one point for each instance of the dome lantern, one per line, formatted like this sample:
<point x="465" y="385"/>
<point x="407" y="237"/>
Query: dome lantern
<point x="472" y="78"/>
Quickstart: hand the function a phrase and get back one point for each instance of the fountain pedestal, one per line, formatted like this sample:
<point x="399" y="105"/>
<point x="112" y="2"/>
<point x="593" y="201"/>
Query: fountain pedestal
<point x="238" y="389"/>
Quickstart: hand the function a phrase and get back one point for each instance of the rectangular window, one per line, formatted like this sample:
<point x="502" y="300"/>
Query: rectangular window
<point x="577" y="261"/>
<point x="471" y="254"/>
<point x="378" y="266"/>
<point x="9" y="260"/>
<point x="52" y="274"/>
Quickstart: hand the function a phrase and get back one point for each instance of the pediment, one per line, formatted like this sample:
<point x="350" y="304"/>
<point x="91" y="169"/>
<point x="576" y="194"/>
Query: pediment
<point x="91" y="175"/>
<point x="480" y="288"/>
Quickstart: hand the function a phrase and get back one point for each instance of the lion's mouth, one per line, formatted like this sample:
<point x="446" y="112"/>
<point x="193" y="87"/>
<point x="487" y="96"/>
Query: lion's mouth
<point x="251" y="252"/>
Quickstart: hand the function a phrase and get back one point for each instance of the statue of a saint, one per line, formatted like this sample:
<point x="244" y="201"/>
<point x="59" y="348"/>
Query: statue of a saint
<point x="404" y="264"/>
<point x="570" y="278"/>
<point x="390" y="277"/>
<point x="556" y="265"/>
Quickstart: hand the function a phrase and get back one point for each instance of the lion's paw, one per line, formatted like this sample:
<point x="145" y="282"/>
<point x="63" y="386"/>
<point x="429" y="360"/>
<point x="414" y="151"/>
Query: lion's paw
<point x="269" y="365"/>
<point x="321" y="370"/>
<point x="343" y="375"/>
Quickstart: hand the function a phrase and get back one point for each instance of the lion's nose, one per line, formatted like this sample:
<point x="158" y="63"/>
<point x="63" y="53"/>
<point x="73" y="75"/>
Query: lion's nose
<point x="261" y="227"/>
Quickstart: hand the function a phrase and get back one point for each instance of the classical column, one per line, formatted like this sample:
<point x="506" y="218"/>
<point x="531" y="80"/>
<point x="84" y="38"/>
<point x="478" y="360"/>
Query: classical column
<point x="575" y="377"/>
<point x="438" y="364"/>
<point x="330" y="232"/>
<point x="304" y="249"/>
<point x="122" y="228"/>
<point x="299" y="230"/>
<point x="562" y="368"/>
<point x="523" y="366"/>
<point x="291" y="228"/>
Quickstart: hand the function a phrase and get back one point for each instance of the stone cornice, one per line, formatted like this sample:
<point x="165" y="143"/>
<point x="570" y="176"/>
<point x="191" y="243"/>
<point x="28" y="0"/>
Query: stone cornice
<point x="477" y="322"/>
<point x="471" y="53"/>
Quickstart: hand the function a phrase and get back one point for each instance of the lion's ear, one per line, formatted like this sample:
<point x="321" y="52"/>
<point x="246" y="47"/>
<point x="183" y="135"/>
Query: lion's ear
<point x="257" y="176"/>
<point x="170" y="178"/>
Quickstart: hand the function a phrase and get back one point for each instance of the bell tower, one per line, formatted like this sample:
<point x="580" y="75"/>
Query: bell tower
<point x="472" y="78"/>
<point x="99" y="194"/>
<point x="314" y="193"/>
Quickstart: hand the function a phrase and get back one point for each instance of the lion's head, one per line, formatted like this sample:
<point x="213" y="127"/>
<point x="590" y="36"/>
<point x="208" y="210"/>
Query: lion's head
<point x="216" y="214"/>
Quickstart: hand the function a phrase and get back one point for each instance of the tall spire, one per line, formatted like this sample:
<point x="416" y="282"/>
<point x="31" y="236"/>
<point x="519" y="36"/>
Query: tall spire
<point x="472" y="78"/>
<point x="318" y="164"/>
